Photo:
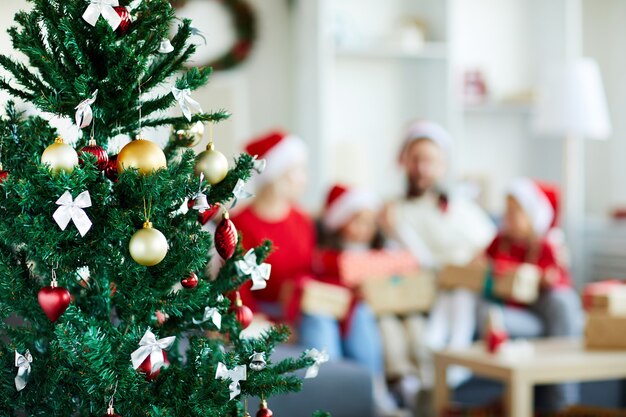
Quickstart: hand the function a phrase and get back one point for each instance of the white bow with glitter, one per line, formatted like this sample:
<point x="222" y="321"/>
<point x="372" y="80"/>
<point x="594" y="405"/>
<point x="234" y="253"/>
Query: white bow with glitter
<point x="105" y="9"/>
<point x="186" y="103"/>
<point x="166" y="47"/>
<point x="258" y="164"/>
<point x="84" y="113"/>
<point x="73" y="210"/>
<point x="149" y="346"/>
<point x="238" y="373"/>
<point x="239" y="192"/>
<point x="22" y="363"/>
<point x="259" y="274"/>
<point x="210" y="313"/>
<point x="319" y="358"/>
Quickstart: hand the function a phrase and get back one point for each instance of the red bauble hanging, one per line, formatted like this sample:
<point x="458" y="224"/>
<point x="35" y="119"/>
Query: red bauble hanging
<point x="3" y="174"/>
<point x="54" y="300"/>
<point x="123" y="13"/>
<point x="263" y="410"/>
<point x="207" y="215"/>
<point x="243" y="314"/>
<point x="226" y="237"/>
<point x="190" y="282"/>
<point x="102" y="158"/>
<point x="111" y="413"/>
<point x="146" y="367"/>
<point x="110" y="171"/>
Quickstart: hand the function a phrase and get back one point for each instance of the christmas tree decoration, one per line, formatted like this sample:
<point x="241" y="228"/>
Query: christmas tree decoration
<point x="104" y="8"/>
<point x="213" y="164"/>
<point x="148" y="246"/>
<point x="102" y="158"/>
<point x="166" y="47"/>
<point x="143" y="155"/>
<point x="23" y="365"/>
<point x="60" y="157"/>
<point x="111" y="413"/>
<point x="54" y="300"/>
<point x="226" y="237"/>
<point x="186" y="103"/>
<point x="211" y="313"/>
<point x="259" y="165"/>
<point x="257" y="361"/>
<point x="124" y="15"/>
<point x="3" y="174"/>
<point x="191" y="135"/>
<point x="238" y="373"/>
<point x="243" y="314"/>
<point x="199" y="201"/>
<point x="84" y="112"/>
<point x="73" y="210"/>
<point x="150" y="357"/>
<point x="110" y="171"/>
<point x="208" y="214"/>
<point x="319" y="358"/>
<point x="190" y="282"/>
<point x="263" y="410"/>
<point x="259" y="274"/>
<point x="240" y="193"/>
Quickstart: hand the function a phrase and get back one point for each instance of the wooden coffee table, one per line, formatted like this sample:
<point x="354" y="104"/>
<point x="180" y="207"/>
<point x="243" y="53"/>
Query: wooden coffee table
<point x="554" y="361"/>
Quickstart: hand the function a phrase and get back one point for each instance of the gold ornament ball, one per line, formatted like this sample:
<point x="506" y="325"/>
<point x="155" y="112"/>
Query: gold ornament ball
<point x="143" y="155"/>
<point x="60" y="157"/>
<point x="193" y="132"/>
<point x="213" y="164"/>
<point x="148" y="246"/>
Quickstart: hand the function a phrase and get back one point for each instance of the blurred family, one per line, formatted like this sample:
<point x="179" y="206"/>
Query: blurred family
<point x="439" y="227"/>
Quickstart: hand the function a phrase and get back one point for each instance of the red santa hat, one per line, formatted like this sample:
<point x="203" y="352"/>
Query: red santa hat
<point x="539" y="200"/>
<point x="281" y="151"/>
<point x="424" y="129"/>
<point x="343" y="202"/>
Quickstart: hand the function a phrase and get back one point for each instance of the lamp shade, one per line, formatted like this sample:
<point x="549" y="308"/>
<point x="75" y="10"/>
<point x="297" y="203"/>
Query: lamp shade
<point x="572" y="101"/>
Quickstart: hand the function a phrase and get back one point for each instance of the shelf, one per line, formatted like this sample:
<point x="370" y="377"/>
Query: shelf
<point x="431" y="50"/>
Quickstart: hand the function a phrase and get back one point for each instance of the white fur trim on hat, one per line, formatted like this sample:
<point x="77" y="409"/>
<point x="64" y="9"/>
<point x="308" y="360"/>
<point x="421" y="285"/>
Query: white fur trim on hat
<point x="431" y="131"/>
<point x="286" y="154"/>
<point x="349" y="203"/>
<point x="534" y="202"/>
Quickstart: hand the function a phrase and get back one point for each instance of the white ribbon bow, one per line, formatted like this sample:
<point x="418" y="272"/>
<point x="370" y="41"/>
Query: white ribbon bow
<point x="210" y="313"/>
<point x="166" y="47"/>
<point x="239" y="192"/>
<point x="259" y="274"/>
<point x="73" y="210"/>
<point x="185" y="101"/>
<point x="105" y="9"/>
<point x="258" y="164"/>
<point x="197" y="32"/>
<point x="238" y="373"/>
<point x="84" y="113"/>
<point x="319" y="358"/>
<point x="22" y="362"/>
<point x="150" y="346"/>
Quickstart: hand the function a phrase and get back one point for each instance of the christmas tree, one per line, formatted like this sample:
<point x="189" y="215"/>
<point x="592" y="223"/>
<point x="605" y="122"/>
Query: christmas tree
<point x="105" y="305"/>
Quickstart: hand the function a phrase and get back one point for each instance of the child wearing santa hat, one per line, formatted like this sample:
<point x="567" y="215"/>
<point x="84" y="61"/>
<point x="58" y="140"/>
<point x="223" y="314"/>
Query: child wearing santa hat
<point x="528" y="235"/>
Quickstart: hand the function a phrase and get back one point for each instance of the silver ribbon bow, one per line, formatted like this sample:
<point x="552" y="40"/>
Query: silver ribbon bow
<point x="238" y="373"/>
<point x="84" y="113"/>
<point x="319" y="358"/>
<point x="149" y="346"/>
<point x="258" y="164"/>
<point x="105" y="9"/>
<point x="22" y="362"/>
<point x="210" y="313"/>
<point x="239" y="192"/>
<point x="166" y="47"/>
<point x="186" y="103"/>
<point x="197" y="32"/>
<point x="73" y="210"/>
<point x="259" y="274"/>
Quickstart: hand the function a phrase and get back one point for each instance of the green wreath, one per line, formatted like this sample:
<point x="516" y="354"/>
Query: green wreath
<point x="244" y="20"/>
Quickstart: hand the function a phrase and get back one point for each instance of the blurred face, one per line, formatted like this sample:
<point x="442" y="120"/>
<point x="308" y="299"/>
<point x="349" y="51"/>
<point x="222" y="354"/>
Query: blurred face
<point x="425" y="165"/>
<point x="293" y="183"/>
<point x="516" y="224"/>
<point x="361" y="228"/>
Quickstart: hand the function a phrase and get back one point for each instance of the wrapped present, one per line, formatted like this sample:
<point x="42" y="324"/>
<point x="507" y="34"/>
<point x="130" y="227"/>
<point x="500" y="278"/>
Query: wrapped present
<point x="356" y="267"/>
<point x="608" y="297"/>
<point x="320" y="298"/>
<point x="604" y="331"/>
<point x="471" y="277"/>
<point x="401" y="294"/>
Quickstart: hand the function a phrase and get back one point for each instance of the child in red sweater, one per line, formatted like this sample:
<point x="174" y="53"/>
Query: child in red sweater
<point x="528" y="235"/>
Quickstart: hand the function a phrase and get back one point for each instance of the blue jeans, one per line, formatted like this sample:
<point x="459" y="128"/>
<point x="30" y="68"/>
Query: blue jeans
<point x="362" y="343"/>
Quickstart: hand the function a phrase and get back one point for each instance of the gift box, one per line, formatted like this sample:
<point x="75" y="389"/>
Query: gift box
<point x="356" y="267"/>
<point x="471" y="277"/>
<point x="608" y="297"/>
<point x="320" y="298"/>
<point x="604" y="331"/>
<point x="401" y="294"/>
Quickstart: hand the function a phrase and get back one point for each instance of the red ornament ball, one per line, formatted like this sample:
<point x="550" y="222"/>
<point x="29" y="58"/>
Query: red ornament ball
<point x="54" y="301"/>
<point x="111" y="413"/>
<point x="243" y="314"/>
<point x="263" y="410"/>
<point x="226" y="238"/>
<point x="125" y="15"/>
<point x="110" y="171"/>
<point x="146" y="368"/>
<point x="207" y="215"/>
<point x="5" y="174"/>
<point x="190" y="282"/>
<point x="102" y="158"/>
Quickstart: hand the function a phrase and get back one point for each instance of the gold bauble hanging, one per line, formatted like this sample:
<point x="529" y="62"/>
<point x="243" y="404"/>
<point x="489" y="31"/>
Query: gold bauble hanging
<point x="148" y="246"/>
<point x="213" y="164"/>
<point x="60" y="157"/>
<point x="143" y="155"/>
<point x="191" y="133"/>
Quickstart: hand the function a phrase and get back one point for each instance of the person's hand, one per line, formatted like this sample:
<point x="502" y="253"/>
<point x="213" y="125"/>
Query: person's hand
<point x="388" y="220"/>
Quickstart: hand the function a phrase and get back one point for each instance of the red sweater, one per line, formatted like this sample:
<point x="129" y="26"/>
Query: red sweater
<point x="293" y="242"/>
<point x="505" y="253"/>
